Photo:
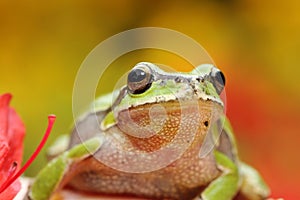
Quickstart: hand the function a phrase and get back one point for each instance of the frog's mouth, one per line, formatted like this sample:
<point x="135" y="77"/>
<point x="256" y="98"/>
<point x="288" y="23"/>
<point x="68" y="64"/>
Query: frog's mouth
<point x="159" y="93"/>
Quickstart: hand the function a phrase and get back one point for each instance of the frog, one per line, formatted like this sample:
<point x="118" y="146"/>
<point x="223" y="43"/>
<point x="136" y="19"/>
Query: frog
<point x="163" y="135"/>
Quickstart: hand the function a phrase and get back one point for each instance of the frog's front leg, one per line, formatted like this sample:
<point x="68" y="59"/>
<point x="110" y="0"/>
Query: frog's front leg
<point x="53" y="176"/>
<point x="225" y="186"/>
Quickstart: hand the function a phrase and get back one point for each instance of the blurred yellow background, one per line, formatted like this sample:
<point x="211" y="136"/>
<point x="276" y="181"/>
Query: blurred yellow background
<point x="255" y="43"/>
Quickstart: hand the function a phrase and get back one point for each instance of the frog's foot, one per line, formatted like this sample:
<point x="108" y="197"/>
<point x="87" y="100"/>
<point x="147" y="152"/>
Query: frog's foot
<point x="253" y="186"/>
<point x="225" y="186"/>
<point x="52" y="177"/>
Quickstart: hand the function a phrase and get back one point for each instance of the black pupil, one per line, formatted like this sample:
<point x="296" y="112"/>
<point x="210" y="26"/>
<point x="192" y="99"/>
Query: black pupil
<point x="220" y="78"/>
<point x="136" y="75"/>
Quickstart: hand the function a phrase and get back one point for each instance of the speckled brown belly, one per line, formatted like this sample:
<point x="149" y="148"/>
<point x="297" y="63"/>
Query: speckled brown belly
<point x="183" y="179"/>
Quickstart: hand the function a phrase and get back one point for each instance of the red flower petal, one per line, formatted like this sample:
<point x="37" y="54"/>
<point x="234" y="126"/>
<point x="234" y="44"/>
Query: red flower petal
<point x="12" y="132"/>
<point x="11" y="191"/>
<point x="4" y="110"/>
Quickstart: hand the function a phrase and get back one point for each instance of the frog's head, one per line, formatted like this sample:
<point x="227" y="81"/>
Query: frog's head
<point x="147" y="84"/>
<point x="155" y="105"/>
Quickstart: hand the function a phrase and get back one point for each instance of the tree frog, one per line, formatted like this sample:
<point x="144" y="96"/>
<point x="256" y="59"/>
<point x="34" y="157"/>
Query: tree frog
<point x="163" y="135"/>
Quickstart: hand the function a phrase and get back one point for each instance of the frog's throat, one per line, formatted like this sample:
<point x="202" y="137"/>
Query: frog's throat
<point x="111" y="117"/>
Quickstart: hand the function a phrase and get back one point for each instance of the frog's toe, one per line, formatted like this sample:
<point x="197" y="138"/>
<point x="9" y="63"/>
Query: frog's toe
<point x="197" y="198"/>
<point x="253" y="186"/>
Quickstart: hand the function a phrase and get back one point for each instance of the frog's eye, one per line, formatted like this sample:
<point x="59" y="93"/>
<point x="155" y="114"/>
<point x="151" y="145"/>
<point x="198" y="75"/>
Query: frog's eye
<point x="218" y="80"/>
<point x="139" y="80"/>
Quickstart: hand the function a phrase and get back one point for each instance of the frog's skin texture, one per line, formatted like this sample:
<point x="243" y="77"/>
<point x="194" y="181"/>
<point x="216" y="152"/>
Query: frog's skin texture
<point x="191" y="108"/>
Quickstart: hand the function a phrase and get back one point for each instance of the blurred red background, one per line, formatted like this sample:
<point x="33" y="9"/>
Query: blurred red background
<point x="255" y="43"/>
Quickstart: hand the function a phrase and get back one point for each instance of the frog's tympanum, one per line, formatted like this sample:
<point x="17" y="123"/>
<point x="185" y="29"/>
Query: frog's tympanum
<point x="162" y="136"/>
